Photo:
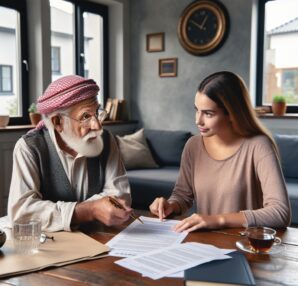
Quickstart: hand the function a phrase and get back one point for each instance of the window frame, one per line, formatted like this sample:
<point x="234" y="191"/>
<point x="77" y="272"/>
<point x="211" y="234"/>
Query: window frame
<point x="260" y="57"/>
<point x="58" y="71"/>
<point x="6" y="92"/>
<point x="21" y="7"/>
<point x="84" y="6"/>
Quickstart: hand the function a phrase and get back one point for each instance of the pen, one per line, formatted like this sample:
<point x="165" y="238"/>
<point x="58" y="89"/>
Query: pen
<point x="115" y="203"/>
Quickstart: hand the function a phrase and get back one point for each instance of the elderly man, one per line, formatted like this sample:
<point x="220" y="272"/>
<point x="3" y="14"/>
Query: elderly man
<point x="66" y="168"/>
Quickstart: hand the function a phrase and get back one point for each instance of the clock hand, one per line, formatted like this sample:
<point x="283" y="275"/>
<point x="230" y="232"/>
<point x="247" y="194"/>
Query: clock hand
<point x="204" y="22"/>
<point x="196" y="24"/>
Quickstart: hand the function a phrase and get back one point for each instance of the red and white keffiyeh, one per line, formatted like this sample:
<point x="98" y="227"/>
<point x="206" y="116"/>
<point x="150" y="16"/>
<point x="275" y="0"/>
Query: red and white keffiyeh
<point x="66" y="91"/>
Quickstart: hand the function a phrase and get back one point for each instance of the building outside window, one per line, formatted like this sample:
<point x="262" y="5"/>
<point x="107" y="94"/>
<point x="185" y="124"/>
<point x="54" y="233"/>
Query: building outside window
<point x="55" y="60"/>
<point x="14" y="95"/>
<point x="6" y="79"/>
<point x="278" y="71"/>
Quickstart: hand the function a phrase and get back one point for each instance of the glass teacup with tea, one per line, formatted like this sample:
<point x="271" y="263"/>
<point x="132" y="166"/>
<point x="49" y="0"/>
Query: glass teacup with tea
<point x="261" y="238"/>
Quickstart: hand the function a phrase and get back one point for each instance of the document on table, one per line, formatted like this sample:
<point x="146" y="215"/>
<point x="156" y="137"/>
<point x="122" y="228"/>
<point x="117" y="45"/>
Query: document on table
<point x="169" y="260"/>
<point x="139" y="238"/>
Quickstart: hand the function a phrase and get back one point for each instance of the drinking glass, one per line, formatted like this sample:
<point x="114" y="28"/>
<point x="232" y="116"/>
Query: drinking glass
<point x="26" y="235"/>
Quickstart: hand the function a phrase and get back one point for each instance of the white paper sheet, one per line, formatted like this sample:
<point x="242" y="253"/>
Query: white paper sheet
<point x="140" y="238"/>
<point x="169" y="260"/>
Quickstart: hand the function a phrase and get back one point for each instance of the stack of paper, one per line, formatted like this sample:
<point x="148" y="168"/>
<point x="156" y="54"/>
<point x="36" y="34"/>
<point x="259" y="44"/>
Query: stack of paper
<point x="140" y="238"/>
<point x="169" y="260"/>
<point x="155" y="250"/>
<point x="67" y="247"/>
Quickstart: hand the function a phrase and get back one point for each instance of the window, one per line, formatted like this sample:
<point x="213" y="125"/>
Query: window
<point x="277" y="52"/>
<point x="55" y="59"/>
<point x="80" y="30"/>
<point x="62" y="36"/>
<point x="5" y="79"/>
<point x="13" y="61"/>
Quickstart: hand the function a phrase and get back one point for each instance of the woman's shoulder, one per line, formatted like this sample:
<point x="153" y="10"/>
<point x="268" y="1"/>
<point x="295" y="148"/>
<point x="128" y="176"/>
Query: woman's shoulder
<point x="260" y="144"/>
<point x="259" y="139"/>
<point x="194" y="140"/>
<point x="193" y="143"/>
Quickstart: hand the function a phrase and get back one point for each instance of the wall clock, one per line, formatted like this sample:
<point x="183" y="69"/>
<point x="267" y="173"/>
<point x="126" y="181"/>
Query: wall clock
<point x="203" y="27"/>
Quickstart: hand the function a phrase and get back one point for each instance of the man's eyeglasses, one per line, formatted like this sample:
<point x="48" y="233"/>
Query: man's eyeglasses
<point x="43" y="238"/>
<point x="86" y="118"/>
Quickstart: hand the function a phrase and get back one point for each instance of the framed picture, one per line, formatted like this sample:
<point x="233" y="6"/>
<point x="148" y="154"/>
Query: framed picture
<point x="155" y="42"/>
<point x="108" y="107"/>
<point x="168" y="67"/>
<point x="115" y="109"/>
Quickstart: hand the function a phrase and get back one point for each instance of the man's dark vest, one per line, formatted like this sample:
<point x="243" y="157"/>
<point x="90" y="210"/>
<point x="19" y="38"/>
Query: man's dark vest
<point x="54" y="183"/>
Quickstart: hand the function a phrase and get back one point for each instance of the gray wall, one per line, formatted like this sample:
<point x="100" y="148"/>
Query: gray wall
<point x="168" y="103"/>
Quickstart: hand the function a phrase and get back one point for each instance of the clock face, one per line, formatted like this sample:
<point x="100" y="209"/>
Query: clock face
<point x="202" y="27"/>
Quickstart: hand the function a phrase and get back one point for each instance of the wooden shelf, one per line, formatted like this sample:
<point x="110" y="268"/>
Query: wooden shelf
<point x="272" y="116"/>
<point x="28" y="127"/>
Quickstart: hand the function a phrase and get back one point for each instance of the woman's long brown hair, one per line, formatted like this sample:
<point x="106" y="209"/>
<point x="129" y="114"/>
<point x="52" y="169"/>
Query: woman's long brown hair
<point x="230" y="93"/>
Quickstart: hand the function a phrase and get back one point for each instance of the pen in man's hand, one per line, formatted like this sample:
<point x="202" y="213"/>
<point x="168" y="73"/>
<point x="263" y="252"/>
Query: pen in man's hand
<point x="115" y="203"/>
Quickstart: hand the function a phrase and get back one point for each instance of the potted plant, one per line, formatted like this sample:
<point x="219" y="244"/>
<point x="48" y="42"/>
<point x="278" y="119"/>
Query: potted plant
<point x="279" y="105"/>
<point x="35" y="117"/>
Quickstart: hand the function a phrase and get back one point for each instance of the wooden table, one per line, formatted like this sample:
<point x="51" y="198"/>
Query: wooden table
<point x="268" y="270"/>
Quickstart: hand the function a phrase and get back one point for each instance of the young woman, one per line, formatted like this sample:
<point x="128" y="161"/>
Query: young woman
<point x="231" y="170"/>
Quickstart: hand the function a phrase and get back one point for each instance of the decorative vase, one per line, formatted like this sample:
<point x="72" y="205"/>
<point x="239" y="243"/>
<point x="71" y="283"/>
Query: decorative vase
<point x="279" y="108"/>
<point x="34" y="118"/>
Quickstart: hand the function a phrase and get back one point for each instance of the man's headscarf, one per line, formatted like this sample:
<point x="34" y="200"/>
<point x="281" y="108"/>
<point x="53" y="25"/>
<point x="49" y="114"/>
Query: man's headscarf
<point x="65" y="92"/>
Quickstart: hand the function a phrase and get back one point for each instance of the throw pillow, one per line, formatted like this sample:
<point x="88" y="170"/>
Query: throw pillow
<point x="135" y="151"/>
<point x="166" y="145"/>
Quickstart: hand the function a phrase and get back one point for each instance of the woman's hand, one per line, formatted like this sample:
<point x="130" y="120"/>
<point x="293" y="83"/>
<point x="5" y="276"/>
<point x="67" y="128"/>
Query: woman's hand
<point x="161" y="208"/>
<point x="197" y="221"/>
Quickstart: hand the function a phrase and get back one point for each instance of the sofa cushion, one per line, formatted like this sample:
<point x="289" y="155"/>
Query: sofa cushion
<point x="292" y="187"/>
<point x="135" y="151"/>
<point x="146" y="185"/>
<point x="288" y="146"/>
<point x="167" y="146"/>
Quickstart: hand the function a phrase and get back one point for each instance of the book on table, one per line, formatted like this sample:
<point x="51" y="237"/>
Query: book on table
<point x="234" y="271"/>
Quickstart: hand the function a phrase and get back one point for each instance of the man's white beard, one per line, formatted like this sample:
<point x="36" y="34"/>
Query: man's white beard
<point x="84" y="146"/>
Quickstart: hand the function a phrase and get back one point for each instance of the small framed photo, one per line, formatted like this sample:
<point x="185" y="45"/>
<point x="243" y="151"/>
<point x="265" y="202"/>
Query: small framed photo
<point x="155" y="42"/>
<point x="168" y="67"/>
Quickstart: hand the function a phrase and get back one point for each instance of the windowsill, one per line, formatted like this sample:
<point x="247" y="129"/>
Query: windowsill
<point x="28" y="127"/>
<point x="272" y="116"/>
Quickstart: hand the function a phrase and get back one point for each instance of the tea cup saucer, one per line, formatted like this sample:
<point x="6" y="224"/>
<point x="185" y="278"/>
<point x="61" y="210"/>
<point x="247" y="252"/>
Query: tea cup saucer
<point x="244" y="245"/>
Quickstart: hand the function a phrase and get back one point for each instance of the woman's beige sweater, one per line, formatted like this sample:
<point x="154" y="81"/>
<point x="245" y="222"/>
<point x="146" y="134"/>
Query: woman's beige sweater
<point x="250" y="181"/>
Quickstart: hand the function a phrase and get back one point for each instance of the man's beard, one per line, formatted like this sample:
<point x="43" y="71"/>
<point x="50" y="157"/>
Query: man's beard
<point x="85" y="146"/>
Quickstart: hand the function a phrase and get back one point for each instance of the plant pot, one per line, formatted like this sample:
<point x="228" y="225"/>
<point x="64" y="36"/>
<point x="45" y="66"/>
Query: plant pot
<point x="35" y="118"/>
<point x="279" y="108"/>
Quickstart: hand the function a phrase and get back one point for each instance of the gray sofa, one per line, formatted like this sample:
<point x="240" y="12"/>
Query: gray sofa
<point x="147" y="184"/>
<point x="288" y="148"/>
<point x="166" y="148"/>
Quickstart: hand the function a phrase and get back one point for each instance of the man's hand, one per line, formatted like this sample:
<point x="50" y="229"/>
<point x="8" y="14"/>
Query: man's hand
<point x="161" y="208"/>
<point x="101" y="210"/>
<point x="104" y="211"/>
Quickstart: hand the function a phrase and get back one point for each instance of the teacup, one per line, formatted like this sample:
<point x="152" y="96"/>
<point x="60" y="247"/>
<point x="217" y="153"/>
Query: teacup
<point x="262" y="238"/>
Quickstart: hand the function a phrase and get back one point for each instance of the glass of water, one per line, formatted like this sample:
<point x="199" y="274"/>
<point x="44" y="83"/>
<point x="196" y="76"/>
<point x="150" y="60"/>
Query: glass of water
<point x="26" y="235"/>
